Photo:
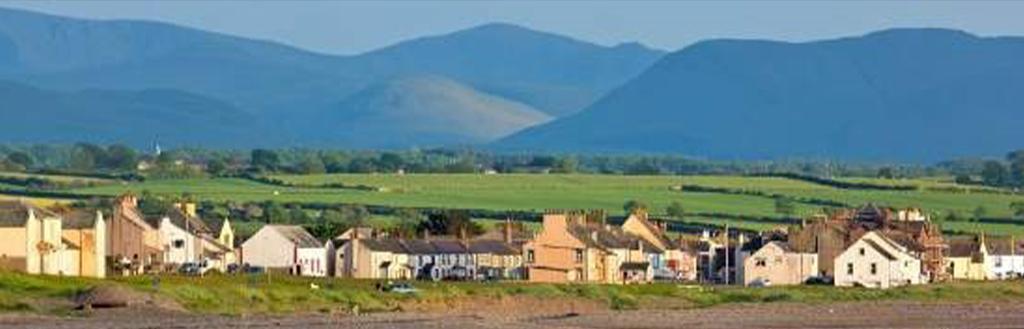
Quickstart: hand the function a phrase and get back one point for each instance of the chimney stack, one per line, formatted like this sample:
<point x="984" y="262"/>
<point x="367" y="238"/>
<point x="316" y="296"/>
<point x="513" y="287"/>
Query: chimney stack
<point x="508" y="230"/>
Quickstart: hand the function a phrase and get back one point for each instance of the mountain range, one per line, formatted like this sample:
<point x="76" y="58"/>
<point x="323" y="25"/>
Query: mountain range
<point x="900" y="94"/>
<point x="285" y="88"/>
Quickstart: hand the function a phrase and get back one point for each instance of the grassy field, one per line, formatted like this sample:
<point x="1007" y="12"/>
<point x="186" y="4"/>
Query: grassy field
<point x="235" y="295"/>
<point x="58" y="178"/>
<point x="540" y="192"/>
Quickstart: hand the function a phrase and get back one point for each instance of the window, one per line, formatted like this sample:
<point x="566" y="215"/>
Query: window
<point x="760" y="262"/>
<point x="849" y="268"/>
<point x="178" y="244"/>
<point x="999" y="262"/>
<point x="579" y="255"/>
<point x="529" y="256"/>
<point x="862" y="251"/>
<point x="874" y="268"/>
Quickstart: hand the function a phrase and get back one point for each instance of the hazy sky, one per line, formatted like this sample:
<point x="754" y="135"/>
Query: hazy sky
<point x="352" y="27"/>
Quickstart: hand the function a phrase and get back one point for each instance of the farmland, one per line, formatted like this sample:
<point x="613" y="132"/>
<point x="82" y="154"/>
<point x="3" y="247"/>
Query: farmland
<point x="539" y="192"/>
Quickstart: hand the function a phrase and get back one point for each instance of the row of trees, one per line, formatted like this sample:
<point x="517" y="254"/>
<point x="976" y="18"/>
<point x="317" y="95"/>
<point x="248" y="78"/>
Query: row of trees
<point x="84" y="157"/>
<point x="1008" y="173"/>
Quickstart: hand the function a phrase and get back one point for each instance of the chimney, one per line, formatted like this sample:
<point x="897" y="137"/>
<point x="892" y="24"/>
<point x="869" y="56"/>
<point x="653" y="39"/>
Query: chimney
<point x="508" y="230"/>
<point x="189" y="208"/>
<point x="426" y="235"/>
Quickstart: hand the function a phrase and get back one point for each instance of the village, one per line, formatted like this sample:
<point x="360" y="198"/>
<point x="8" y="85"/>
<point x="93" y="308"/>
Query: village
<point x="869" y="247"/>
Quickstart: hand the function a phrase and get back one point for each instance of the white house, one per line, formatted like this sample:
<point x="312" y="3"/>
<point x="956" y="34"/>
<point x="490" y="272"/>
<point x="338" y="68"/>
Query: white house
<point x="876" y="261"/>
<point x="1003" y="258"/>
<point x="186" y="238"/>
<point x="286" y="247"/>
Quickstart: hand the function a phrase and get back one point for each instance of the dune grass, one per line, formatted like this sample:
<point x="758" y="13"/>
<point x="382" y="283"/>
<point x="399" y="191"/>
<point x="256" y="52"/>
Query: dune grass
<point x="280" y="294"/>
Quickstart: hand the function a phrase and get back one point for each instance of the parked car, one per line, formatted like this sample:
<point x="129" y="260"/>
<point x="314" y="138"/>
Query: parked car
<point x="761" y="283"/>
<point x="402" y="288"/>
<point x="819" y="280"/>
<point x="195" y="268"/>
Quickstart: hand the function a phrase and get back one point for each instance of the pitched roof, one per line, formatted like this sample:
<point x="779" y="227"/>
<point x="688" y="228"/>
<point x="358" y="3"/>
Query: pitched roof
<point x="881" y="250"/>
<point x="388" y="245"/>
<point x="962" y="247"/>
<point x="297" y="235"/>
<point x="496" y="247"/>
<point x="1003" y="246"/>
<point x="448" y="247"/>
<point x="420" y="247"/>
<point x="14" y="213"/>
<point x="79" y="219"/>
<point x="180" y="219"/>
<point x="605" y="238"/>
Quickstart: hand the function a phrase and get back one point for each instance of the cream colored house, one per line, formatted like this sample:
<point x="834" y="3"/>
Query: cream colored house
<point x="83" y="252"/>
<point x="777" y="264"/>
<point x="38" y="241"/>
<point x="363" y="258"/>
<point x="30" y="239"/>
<point x="876" y="261"/>
<point x="573" y="247"/>
<point x="286" y="247"/>
<point x="965" y="260"/>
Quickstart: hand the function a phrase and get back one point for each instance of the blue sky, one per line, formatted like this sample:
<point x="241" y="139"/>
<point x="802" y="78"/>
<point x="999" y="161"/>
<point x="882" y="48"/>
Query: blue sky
<point x="351" y="27"/>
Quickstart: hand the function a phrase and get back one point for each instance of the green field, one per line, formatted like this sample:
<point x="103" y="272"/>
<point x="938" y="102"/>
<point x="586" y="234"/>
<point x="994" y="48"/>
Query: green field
<point x="541" y="192"/>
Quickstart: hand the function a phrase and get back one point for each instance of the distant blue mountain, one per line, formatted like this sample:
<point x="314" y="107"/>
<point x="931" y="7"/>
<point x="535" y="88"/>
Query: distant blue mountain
<point x="33" y="115"/>
<point x="286" y="87"/>
<point x="903" y="94"/>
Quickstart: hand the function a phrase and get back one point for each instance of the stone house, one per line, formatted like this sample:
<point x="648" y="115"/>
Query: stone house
<point x="578" y="247"/>
<point x="875" y="261"/>
<point x="133" y="245"/>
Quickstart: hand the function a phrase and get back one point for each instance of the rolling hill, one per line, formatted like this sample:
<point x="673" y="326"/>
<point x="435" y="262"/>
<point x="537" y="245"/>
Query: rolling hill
<point x="902" y="94"/>
<point x="33" y="115"/>
<point x="425" y="111"/>
<point x="284" y="87"/>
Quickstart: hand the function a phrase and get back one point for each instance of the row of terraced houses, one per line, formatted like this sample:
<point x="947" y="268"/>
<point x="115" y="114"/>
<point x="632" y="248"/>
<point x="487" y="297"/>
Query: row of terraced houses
<point x="870" y="246"/>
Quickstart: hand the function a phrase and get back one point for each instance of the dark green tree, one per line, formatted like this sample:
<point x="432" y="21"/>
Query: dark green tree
<point x="1017" y="207"/>
<point x="265" y="160"/>
<point x="675" y="210"/>
<point x="785" y="206"/>
<point x="994" y="173"/>
<point x="409" y="221"/>
<point x="634" y="206"/>
<point x="120" y="157"/>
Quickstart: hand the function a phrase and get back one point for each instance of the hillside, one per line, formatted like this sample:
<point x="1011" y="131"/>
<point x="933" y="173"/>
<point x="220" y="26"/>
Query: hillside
<point x="553" y="73"/>
<point x="284" y="87"/>
<point x="906" y="94"/>
<point x="425" y="111"/>
<point x="33" y="115"/>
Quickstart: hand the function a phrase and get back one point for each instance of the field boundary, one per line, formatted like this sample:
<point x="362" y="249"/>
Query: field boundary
<point x="837" y="183"/>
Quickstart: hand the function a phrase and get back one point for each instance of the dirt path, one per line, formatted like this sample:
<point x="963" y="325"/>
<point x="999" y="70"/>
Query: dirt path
<point x="780" y="315"/>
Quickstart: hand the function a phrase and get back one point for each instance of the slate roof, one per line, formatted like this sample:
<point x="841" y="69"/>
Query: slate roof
<point x="79" y="219"/>
<point x="448" y="247"/>
<point x="388" y="245"/>
<point x="1003" y="246"/>
<point x="602" y="238"/>
<point x="496" y="247"/>
<point x="420" y="247"/>
<point x="962" y="247"/>
<point x="885" y="253"/>
<point x="195" y="224"/>
<point x="14" y="213"/>
<point x="297" y="235"/>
